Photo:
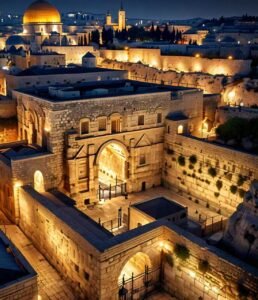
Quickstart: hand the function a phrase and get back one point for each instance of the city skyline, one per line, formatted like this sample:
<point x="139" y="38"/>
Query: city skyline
<point x="137" y="9"/>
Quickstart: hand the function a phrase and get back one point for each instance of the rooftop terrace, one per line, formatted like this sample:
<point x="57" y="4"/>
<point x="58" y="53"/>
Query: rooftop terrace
<point x="100" y="89"/>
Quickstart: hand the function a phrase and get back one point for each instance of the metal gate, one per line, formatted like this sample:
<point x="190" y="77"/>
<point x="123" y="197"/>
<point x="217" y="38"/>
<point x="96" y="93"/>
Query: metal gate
<point x="111" y="191"/>
<point x="139" y="286"/>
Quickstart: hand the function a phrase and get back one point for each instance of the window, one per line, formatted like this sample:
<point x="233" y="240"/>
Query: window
<point x="159" y="118"/>
<point x="102" y="125"/>
<point x="180" y="129"/>
<point x="142" y="159"/>
<point x="141" y="120"/>
<point x="115" y="126"/>
<point x="84" y="127"/>
<point x="86" y="275"/>
<point x="168" y="129"/>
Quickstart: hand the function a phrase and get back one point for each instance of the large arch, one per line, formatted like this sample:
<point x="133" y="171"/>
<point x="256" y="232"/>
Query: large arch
<point x="135" y="265"/>
<point x="111" y="163"/>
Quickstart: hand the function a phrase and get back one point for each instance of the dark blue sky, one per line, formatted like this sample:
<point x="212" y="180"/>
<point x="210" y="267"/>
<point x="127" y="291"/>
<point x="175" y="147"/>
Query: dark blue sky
<point x="169" y="9"/>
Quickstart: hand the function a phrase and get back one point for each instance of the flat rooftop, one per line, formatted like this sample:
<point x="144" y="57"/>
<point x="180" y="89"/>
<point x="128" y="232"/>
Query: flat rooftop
<point x="43" y="70"/>
<point x="19" y="150"/>
<point x="100" y="89"/>
<point x="159" y="208"/>
<point x="13" y="265"/>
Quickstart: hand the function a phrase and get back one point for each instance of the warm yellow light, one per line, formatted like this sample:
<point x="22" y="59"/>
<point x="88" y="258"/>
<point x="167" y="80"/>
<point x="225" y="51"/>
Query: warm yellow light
<point x="230" y="57"/>
<point x="231" y="95"/>
<point x="47" y="129"/>
<point x="192" y="274"/>
<point x="215" y="289"/>
<point x="17" y="184"/>
<point x="197" y="55"/>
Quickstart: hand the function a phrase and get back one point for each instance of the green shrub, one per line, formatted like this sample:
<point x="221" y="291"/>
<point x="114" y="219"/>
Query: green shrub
<point x="219" y="184"/>
<point x="208" y="205"/>
<point x="181" y="160"/>
<point x="212" y="172"/>
<point x="200" y="171"/>
<point x="184" y="172"/>
<point x="182" y="252"/>
<point x="193" y="159"/>
<point x="233" y="189"/>
<point x="191" y="167"/>
<point x="204" y="266"/>
<point x="207" y="181"/>
<point x="216" y="194"/>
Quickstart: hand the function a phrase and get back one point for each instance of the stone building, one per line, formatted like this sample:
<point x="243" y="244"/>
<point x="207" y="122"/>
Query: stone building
<point x="102" y="134"/>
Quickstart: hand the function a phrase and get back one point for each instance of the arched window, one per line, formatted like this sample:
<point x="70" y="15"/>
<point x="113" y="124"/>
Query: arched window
<point x="39" y="182"/>
<point x="84" y="126"/>
<point x="180" y="129"/>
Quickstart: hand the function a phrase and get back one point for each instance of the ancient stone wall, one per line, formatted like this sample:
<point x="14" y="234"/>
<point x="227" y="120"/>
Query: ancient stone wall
<point x="153" y="58"/>
<point x="218" y="278"/>
<point x="219" y="177"/>
<point x="73" y="54"/>
<point x="8" y="130"/>
<point x="7" y="108"/>
<point x="75" y="259"/>
<point x="208" y="83"/>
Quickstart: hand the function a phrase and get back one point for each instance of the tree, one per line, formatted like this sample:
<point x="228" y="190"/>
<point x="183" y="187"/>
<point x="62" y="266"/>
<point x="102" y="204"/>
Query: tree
<point x="152" y="32"/>
<point x="166" y="34"/>
<point x="157" y="34"/>
<point x="95" y="37"/>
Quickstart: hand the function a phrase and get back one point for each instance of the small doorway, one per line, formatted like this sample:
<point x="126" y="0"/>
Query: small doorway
<point x="143" y="186"/>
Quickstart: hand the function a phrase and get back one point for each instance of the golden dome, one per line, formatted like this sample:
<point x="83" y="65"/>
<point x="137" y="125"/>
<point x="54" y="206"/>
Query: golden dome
<point x="41" y="11"/>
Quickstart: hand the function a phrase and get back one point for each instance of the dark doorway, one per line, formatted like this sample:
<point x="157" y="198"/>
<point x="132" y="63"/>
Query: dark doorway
<point x="143" y="186"/>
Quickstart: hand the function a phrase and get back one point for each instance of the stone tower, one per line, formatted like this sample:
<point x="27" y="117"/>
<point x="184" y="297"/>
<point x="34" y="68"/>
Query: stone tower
<point x="108" y="19"/>
<point x="121" y="18"/>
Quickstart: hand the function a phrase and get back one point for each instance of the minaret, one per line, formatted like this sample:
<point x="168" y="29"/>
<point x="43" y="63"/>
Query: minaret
<point x="121" y="18"/>
<point x="108" y="19"/>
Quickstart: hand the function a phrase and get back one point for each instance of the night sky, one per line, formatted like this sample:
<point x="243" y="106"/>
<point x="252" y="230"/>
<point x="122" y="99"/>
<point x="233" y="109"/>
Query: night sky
<point x="166" y="9"/>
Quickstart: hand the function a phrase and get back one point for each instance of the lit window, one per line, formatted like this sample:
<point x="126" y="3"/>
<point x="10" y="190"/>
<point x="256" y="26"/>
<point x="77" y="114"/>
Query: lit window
<point x="141" y="120"/>
<point x="84" y="127"/>
<point x="102" y="125"/>
<point x="142" y="159"/>
<point x="180" y="129"/>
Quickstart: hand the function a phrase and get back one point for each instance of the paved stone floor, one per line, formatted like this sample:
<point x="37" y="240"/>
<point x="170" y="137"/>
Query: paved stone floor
<point x="51" y="285"/>
<point x="161" y="296"/>
<point x="109" y="209"/>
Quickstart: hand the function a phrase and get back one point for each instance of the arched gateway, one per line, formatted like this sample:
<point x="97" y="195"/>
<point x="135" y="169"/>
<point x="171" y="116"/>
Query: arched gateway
<point x="111" y="169"/>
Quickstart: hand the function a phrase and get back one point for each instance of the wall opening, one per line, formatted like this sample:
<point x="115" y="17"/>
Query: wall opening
<point x="39" y="182"/>
<point x="180" y="129"/>
<point x="112" y="165"/>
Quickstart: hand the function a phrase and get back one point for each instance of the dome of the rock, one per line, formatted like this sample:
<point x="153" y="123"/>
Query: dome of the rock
<point x="41" y="11"/>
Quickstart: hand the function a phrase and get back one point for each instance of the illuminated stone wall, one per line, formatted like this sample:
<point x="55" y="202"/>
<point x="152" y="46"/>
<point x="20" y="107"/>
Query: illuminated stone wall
<point x="195" y="181"/>
<point x="8" y="130"/>
<point x="186" y="64"/>
<point x="208" y="83"/>
<point x="186" y="279"/>
<point x="63" y="246"/>
<point x="73" y="54"/>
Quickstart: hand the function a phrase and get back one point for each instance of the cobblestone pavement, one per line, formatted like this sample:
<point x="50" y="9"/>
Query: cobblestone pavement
<point x="51" y="285"/>
<point x="109" y="209"/>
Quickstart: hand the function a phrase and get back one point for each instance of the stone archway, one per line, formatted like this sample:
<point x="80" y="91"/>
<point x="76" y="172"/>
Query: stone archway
<point x="111" y="167"/>
<point x="112" y="162"/>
